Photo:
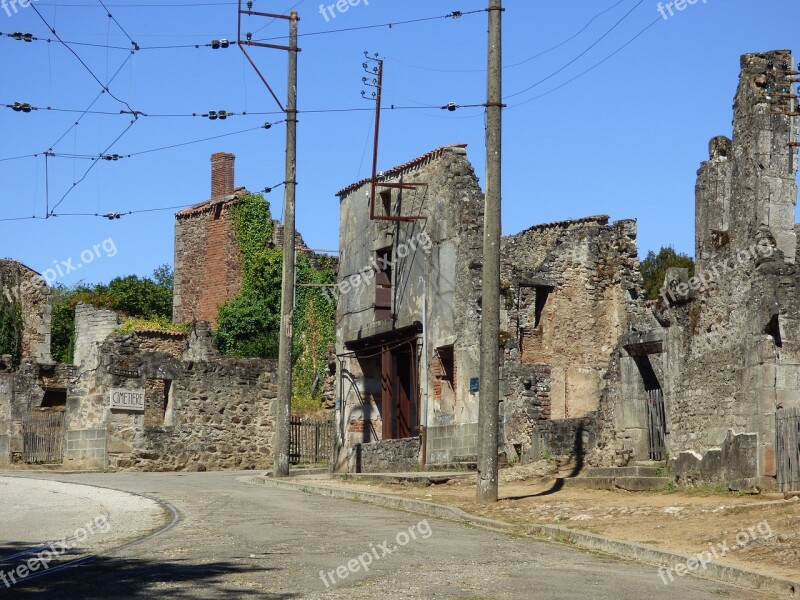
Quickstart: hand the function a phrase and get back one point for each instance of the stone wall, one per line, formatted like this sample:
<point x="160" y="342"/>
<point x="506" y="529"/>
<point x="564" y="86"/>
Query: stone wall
<point x="388" y="456"/>
<point x="92" y="327"/>
<point x="199" y="414"/>
<point x="19" y="284"/>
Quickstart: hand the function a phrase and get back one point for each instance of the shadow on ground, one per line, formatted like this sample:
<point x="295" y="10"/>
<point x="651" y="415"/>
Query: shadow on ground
<point x="77" y="575"/>
<point x="558" y="485"/>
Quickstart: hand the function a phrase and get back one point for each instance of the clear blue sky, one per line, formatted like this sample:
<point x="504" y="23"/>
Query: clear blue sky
<point x="625" y="139"/>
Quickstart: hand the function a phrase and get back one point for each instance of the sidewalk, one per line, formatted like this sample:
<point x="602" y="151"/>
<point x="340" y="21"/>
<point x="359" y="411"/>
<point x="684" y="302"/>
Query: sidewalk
<point x="750" y="532"/>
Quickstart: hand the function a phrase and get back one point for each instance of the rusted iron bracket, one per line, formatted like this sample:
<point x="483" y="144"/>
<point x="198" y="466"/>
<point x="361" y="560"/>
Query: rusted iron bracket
<point x="377" y="82"/>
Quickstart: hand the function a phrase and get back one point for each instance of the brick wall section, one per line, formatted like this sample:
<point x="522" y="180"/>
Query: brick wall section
<point x="452" y="443"/>
<point x="222" y="175"/>
<point x="85" y="448"/>
<point x="208" y="267"/>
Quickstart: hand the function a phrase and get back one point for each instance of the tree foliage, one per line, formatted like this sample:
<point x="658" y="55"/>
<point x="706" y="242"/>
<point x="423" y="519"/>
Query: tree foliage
<point x="654" y="269"/>
<point x="131" y="296"/>
<point x="249" y="325"/>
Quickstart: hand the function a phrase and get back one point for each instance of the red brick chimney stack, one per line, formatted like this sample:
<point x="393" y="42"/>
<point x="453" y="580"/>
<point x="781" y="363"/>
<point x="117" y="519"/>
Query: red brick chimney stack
<point x="222" y="183"/>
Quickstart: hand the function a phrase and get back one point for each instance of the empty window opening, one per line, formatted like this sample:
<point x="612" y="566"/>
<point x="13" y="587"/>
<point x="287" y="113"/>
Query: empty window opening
<point x="773" y="329"/>
<point x="54" y="399"/>
<point x="386" y="201"/>
<point x="444" y="373"/>
<point x="383" y="285"/>
<point x="157" y="402"/>
<point x="542" y="294"/>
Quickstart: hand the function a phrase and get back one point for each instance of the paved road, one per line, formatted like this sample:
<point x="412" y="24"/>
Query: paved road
<point x="236" y="540"/>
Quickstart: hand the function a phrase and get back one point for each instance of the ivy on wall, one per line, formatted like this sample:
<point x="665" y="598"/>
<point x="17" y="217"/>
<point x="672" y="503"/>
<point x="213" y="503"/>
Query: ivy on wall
<point x="249" y="325"/>
<point x="10" y="329"/>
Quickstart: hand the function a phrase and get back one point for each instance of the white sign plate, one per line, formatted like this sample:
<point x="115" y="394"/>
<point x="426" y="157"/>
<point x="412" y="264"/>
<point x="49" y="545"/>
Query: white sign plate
<point x="121" y="399"/>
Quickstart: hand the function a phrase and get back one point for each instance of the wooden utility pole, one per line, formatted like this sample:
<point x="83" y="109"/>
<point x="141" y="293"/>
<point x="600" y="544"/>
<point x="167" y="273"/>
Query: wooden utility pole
<point x="489" y="398"/>
<point x="284" y="400"/>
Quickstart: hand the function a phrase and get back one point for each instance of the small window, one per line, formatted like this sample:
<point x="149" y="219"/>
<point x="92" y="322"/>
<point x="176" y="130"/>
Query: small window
<point x="542" y="294"/>
<point x="386" y="201"/>
<point x="54" y="399"/>
<point x="156" y="401"/>
<point x="383" y="285"/>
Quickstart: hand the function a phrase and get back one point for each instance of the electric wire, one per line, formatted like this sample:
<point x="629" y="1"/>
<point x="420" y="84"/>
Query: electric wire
<point x="593" y="67"/>
<point x="80" y="60"/>
<point x="579" y="56"/>
<point x="92" y="166"/>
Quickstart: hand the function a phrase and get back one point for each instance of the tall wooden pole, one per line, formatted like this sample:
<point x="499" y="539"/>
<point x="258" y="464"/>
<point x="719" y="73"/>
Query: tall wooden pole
<point x="489" y="398"/>
<point x="284" y="400"/>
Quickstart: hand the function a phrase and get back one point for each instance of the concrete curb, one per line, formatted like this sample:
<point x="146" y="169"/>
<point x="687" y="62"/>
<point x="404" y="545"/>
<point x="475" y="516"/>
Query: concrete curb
<point x="738" y="576"/>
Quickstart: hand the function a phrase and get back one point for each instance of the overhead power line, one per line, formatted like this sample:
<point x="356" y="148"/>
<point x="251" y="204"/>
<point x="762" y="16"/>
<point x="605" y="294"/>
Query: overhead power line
<point x="593" y="67"/>
<point x="80" y="60"/>
<point x="579" y="56"/>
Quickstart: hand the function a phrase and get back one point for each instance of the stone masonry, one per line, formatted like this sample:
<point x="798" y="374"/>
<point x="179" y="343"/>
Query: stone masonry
<point x="19" y="284"/>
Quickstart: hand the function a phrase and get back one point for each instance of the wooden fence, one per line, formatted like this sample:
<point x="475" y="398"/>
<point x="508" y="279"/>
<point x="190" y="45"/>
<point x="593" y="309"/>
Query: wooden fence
<point x="43" y="438"/>
<point x="787" y="428"/>
<point x="311" y="441"/>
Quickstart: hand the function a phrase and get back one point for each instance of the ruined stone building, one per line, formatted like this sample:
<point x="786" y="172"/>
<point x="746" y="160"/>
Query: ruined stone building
<point x="25" y="288"/>
<point x="190" y="410"/>
<point x="409" y="321"/>
<point x="589" y="367"/>
<point x="408" y="312"/>
<point x="725" y="348"/>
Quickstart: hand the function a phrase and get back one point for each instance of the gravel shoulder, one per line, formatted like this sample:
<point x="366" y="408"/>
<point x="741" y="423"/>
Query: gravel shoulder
<point x="38" y="512"/>
<point x="742" y="530"/>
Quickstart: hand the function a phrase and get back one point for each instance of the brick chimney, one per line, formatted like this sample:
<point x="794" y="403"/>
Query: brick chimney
<point x="222" y="175"/>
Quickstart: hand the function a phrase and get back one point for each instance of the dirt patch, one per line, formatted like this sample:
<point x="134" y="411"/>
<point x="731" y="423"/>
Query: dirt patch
<point x="743" y="530"/>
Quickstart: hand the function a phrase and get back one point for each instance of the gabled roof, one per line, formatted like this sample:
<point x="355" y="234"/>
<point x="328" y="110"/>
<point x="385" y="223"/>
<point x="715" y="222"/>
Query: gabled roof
<point x="209" y="205"/>
<point x="401" y="169"/>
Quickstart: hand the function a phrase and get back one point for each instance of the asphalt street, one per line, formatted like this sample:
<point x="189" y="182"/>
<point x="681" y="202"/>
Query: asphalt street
<point x="213" y="535"/>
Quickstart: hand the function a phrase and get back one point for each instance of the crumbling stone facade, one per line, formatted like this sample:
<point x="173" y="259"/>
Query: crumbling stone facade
<point x="202" y="411"/>
<point x="25" y="287"/>
<point x="408" y="311"/>
<point x="727" y="348"/>
<point x="571" y="289"/>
